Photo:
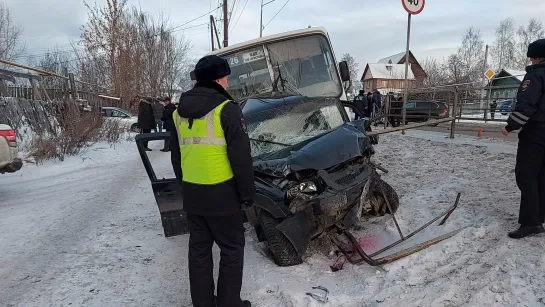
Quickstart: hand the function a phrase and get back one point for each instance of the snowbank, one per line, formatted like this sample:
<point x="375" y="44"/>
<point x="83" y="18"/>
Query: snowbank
<point x="87" y="232"/>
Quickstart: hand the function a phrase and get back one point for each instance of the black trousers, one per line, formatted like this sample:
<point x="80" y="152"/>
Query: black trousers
<point x="228" y="233"/>
<point x="146" y="142"/>
<point x="530" y="174"/>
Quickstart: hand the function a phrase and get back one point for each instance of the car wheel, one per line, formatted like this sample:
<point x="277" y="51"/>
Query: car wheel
<point x="134" y="128"/>
<point x="281" y="249"/>
<point x="379" y="196"/>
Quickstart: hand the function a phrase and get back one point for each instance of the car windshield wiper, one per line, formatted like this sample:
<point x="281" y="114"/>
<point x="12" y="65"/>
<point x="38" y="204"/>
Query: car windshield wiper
<point x="270" y="142"/>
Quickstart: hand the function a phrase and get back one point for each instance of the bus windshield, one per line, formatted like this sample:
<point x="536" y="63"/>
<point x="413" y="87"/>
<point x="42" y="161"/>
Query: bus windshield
<point x="302" y="65"/>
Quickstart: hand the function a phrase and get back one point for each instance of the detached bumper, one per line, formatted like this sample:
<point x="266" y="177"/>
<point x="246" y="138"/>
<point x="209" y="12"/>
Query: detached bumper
<point x="14" y="166"/>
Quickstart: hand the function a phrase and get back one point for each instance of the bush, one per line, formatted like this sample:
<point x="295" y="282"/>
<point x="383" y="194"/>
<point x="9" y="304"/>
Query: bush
<point x="56" y="129"/>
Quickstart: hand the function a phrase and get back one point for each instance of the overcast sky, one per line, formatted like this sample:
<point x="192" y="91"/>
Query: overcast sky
<point x="367" y="29"/>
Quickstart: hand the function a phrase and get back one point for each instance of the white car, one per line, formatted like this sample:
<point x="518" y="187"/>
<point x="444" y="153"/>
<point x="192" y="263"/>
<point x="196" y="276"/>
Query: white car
<point x="124" y="117"/>
<point x="9" y="163"/>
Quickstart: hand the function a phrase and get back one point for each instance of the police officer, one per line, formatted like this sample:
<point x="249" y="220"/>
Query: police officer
<point x="215" y="167"/>
<point x="529" y="114"/>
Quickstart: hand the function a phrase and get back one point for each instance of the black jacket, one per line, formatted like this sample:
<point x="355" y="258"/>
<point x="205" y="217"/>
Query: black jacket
<point x="158" y="109"/>
<point x="530" y="107"/>
<point x="146" y="120"/>
<point x="360" y="103"/>
<point x="167" y="117"/>
<point x="223" y="198"/>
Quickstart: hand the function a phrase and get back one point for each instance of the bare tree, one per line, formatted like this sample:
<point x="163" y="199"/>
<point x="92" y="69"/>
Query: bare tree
<point x="436" y="71"/>
<point x="353" y="67"/>
<point x="10" y="35"/>
<point x="56" y="61"/>
<point x="137" y="53"/>
<point x="503" y="50"/>
<point x="470" y="57"/>
<point x="534" y="30"/>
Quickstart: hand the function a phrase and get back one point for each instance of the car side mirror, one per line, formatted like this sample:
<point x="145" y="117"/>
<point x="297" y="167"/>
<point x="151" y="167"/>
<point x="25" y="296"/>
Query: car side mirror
<point x="345" y="72"/>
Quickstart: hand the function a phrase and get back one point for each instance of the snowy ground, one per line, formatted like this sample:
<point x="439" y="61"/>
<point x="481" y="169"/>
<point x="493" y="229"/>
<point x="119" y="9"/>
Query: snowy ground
<point x="87" y="232"/>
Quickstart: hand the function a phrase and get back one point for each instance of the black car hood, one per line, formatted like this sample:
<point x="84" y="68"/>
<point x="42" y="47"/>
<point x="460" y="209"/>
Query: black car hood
<point x="342" y="144"/>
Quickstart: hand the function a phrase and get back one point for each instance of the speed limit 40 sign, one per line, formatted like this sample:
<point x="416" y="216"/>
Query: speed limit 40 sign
<point x="413" y="7"/>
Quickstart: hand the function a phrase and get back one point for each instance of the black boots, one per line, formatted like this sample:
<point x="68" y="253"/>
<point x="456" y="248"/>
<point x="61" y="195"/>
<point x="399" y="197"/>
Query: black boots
<point x="525" y="231"/>
<point x="244" y="303"/>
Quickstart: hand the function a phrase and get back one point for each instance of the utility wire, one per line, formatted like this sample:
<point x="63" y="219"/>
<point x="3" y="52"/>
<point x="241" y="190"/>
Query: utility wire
<point x="179" y="26"/>
<point x="240" y="15"/>
<point x="276" y="14"/>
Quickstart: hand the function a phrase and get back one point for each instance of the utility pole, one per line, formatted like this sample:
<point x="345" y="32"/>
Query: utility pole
<point x="216" y="31"/>
<point x="483" y="94"/>
<point x="261" y="19"/>
<point x="212" y="31"/>
<point x="225" y="24"/>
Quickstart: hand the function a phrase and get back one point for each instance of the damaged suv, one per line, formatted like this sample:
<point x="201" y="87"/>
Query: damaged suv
<point x="312" y="172"/>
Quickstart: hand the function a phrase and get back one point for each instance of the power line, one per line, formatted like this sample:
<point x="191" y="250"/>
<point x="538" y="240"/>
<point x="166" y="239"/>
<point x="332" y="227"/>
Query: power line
<point x="240" y="15"/>
<point x="172" y="29"/>
<point x="232" y="9"/>
<point x="276" y="14"/>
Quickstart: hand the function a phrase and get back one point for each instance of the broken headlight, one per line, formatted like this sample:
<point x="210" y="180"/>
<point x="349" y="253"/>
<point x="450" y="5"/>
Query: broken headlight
<point x="307" y="187"/>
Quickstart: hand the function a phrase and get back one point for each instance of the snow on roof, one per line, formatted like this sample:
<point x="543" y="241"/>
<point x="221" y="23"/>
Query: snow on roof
<point x="395" y="58"/>
<point x="519" y="74"/>
<point x="397" y="71"/>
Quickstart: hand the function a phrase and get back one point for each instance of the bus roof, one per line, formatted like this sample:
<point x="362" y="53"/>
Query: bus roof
<point x="270" y="38"/>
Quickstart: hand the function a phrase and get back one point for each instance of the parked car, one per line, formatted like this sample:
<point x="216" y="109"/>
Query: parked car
<point x="9" y="163"/>
<point x="507" y="106"/>
<point x="124" y="117"/>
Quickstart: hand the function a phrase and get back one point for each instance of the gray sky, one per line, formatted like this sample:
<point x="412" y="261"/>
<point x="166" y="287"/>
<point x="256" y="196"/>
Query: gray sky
<point x="369" y="30"/>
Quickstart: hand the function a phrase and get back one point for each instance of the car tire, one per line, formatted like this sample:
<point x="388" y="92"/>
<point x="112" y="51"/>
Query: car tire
<point x="381" y="189"/>
<point x="134" y="128"/>
<point x="282" y="251"/>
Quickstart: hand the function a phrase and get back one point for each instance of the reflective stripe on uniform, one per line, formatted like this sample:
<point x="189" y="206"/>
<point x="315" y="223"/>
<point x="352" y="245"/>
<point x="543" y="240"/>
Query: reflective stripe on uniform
<point x="209" y="139"/>
<point x="521" y="116"/>
<point x="518" y="120"/>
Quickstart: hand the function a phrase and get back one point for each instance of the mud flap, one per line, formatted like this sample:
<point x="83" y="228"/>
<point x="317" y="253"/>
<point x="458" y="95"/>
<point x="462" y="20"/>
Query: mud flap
<point x="167" y="192"/>
<point x="401" y="248"/>
<point x="298" y="230"/>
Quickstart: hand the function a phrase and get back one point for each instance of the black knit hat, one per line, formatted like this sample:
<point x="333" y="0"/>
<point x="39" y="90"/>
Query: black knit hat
<point x="210" y="68"/>
<point x="536" y="49"/>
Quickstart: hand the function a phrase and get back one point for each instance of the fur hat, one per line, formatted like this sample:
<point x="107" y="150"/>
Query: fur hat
<point x="210" y="68"/>
<point x="536" y="49"/>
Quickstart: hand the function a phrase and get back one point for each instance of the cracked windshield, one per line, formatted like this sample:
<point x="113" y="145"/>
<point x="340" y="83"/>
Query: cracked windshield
<point x="302" y="66"/>
<point x="279" y="128"/>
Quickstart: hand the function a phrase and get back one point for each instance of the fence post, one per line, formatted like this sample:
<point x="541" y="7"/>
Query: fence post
<point x="455" y="108"/>
<point x="73" y="86"/>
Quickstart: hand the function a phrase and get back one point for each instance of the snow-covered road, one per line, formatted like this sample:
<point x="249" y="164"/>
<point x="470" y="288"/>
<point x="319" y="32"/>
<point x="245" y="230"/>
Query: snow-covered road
<point x="87" y="232"/>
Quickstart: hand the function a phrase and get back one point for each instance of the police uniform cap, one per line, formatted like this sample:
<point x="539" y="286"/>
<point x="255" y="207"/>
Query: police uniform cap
<point x="210" y="68"/>
<point x="536" y="49"/>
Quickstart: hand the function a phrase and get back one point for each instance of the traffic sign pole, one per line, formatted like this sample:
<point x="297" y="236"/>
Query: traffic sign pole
<point x="413" y="7"/>
<point x="406" y="96"/>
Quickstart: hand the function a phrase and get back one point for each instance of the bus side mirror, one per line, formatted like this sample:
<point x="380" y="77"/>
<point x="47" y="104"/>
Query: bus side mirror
<point x="345" y="72"/>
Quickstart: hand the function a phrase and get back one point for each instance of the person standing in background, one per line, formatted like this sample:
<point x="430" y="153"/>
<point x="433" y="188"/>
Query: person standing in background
<point x="168" y="122"/>
<point x="158" y="109"/>
<point x="146" y="119"/>
<point x="529" y="114"/>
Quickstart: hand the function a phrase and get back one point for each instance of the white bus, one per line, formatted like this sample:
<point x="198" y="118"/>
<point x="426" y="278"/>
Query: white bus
<point x="300" y="62"/>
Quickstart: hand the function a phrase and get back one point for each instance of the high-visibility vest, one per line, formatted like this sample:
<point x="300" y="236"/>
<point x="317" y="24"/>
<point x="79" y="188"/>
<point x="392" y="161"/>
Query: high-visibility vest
<point x="203" y="148"/>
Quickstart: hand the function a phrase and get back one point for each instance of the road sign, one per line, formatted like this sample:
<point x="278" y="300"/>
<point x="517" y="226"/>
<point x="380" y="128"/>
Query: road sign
<point x="489" y="74"/>
<point x="413" y="7"/>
